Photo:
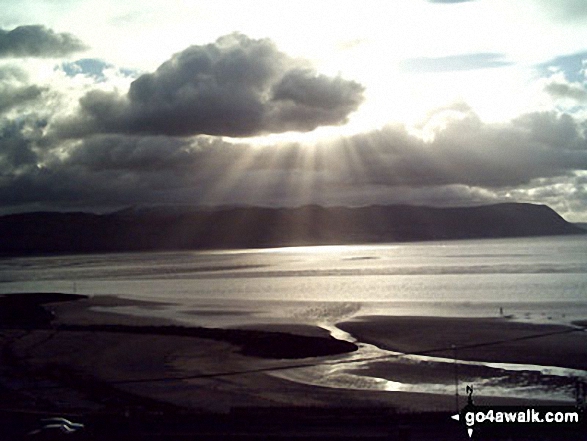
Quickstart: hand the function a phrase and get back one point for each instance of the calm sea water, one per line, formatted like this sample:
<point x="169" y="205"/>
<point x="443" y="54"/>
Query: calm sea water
<point x="537" y="279"/>
<point x="534" y="279"/>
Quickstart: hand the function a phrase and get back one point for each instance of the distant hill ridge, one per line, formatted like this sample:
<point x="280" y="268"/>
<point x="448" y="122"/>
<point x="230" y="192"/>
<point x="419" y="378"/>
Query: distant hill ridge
<point x="253" y="227"/>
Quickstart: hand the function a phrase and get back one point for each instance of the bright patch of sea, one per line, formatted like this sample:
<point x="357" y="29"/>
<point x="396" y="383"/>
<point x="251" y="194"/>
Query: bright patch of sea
<point x="543" y="279"/>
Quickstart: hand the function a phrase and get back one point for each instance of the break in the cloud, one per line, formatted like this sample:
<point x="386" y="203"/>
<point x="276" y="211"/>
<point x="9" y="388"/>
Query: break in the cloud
<point x="567" y="78"/>
<point x="572" y="66"/>
<point x="236" y="87"/>
<point x="94" y="68"/>
<point x="37" y="41"/>
<point x="454" y="63"/>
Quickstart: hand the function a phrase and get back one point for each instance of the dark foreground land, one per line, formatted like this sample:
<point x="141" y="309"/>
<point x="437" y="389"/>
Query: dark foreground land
<point x="291" y="424"/>
<point x="128" y="378"/>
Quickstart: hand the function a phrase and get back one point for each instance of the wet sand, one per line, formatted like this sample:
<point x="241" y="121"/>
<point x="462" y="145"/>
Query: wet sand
<point x="86" y="360"/>
<point x="476" y="339"/>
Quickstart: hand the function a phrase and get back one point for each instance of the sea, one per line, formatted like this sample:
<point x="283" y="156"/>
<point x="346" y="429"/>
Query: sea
<point x="542" y="280"/>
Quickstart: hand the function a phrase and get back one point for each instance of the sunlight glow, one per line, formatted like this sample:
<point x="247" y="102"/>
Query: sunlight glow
<point x="423" y="67"/>
<point x="320" y="249"/>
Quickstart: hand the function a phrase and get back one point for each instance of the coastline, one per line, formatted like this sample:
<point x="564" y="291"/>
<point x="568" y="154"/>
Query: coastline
<point x="87" y="357"/>
<point x="476" y="339"/>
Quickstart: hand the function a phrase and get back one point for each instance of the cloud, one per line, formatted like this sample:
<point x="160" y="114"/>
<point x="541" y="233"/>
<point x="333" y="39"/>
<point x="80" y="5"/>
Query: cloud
<point x="454" y="63"/>
<point x="236" y="87"/>
<point x="37" y="41"/>
<point x="14" y="90"/>
<point x="566" y="195"/>
<point x="12" y="73"/>
<point x="557" y="133"/>
<point x="566" y="10"/>
<point x="17" y="153"/>
<point x="105" y="171"/>
<point x="466" y="161"/>
<point x="565" y="77"/>
<point x="11" y="97"/>
<point x="574" y="91"/>
<point x="469" y="152"/>
<point x="449" y="1"/>
<point x="133" y="153"/>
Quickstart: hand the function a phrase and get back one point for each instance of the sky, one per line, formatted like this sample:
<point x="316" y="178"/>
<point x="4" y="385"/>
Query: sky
<point x="108" y="104"/>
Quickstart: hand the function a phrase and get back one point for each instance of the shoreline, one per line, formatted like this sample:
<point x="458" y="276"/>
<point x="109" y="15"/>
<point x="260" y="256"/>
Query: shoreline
<point x="88" y="356"/>
<point x="496" y="340"/>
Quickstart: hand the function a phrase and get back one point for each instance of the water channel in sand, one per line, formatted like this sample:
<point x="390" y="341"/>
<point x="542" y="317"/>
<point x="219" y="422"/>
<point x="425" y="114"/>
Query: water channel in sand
<point x="509" y="379"/>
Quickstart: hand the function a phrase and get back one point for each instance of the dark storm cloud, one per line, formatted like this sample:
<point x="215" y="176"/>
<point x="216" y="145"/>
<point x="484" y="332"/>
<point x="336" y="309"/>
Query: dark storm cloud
<point x="108" y="171"/>
<point x="16" y="149"/>
<point x="21" y="149"/>
<point x="63" y="188"/>
<point x="136" y="153"/>
<point x="37" y="41"/>
<point x="202" y="158"/>
<point x="236" y="86"/>
<point x="467" y="161"/>
<point x="454" y="63"/>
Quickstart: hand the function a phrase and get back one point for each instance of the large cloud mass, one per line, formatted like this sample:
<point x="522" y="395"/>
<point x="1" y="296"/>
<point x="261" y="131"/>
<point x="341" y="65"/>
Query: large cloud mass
<point x="37" y="41"/>
<point x="539" y="157"/>
<point x="236" y="86"/>
<point x="160" y="138"/>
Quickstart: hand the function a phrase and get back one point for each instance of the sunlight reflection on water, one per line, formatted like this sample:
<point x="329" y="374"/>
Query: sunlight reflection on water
<point x="536" y="280"/>
<point x="349" y="372"/>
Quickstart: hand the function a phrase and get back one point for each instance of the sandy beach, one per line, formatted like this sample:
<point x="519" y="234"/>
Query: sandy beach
<point x="490" y="339"/>
<point x="82" y="361"/>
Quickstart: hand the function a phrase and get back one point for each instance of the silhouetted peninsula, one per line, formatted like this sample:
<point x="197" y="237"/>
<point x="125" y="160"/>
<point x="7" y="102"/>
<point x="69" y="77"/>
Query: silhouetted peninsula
<point x="152" y="229"/>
